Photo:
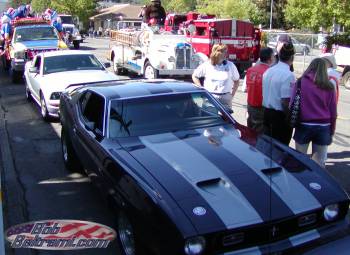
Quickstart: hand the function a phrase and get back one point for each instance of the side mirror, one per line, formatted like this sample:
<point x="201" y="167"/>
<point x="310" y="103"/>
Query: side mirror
<point x="191" y="29"/>
<point x="107" y="64"/>
<point x="90" y="126"/>
<point x="229" y="110"/>
<point x="33" y="69"/>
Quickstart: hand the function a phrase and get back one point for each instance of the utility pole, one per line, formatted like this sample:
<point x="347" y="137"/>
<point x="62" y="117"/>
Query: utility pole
<point x="271" y="14"/>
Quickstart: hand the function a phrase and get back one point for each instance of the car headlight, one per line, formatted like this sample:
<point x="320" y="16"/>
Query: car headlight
<point x="195" y="245"/>
<point x="19" y="54"/>
<point x="331" y="212"/>
<point x="75" y="32"/>
<point x="55" y="96"/>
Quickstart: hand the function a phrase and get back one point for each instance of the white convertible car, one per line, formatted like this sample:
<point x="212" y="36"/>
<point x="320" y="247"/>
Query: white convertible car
<point x="49" y="73"/>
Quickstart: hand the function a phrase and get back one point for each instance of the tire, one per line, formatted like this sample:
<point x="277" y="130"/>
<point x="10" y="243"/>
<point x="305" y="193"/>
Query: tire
<point x="117" y="70"/>
<point x="43" y="108"/>
<point x="150" y="72"/>
<point x="69" y="156"/>
<point x="76" y="44"/>
<point x="127" y="237"/>
<point x="346" y="80"/>
<point x="27" y="91"/>
<point x="15" y="76"/>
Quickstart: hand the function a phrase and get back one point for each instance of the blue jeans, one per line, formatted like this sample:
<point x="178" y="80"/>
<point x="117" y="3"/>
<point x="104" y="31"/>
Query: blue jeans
<point x="319" y="135"/>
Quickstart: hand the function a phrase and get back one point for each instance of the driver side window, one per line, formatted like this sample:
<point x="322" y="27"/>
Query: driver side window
<point x="92" y="108"/>
<point x="37" y="62"/>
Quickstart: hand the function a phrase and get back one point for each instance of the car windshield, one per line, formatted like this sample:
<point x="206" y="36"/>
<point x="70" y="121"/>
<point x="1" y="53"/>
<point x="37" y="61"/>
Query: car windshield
<point x="167" y="113"/>
<point x="67" y="19"/>
<point x="35" y="34"/>
<point x="64" y="63"/>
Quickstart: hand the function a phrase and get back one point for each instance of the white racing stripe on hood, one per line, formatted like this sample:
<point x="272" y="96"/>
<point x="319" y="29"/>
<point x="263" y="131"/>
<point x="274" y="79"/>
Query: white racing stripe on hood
<point x="284" y="184"/>
<point x="224" y="198"/>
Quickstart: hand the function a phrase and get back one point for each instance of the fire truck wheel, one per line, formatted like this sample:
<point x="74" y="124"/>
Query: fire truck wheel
<point x="346" y="80"/>
<point x="150" y="72"/>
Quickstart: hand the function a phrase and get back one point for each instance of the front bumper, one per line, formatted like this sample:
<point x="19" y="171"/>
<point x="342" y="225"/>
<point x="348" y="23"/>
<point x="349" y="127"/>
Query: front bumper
<point x="299" y="243"/>
<point x="176" y="72"/>
<point x="18" y="64"/>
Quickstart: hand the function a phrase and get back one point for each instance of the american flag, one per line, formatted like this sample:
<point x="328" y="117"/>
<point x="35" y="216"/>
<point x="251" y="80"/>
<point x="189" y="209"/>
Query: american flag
<point x="68" y="229"/>
<point x="20" y="229"/>
<point x="87" y="230"/>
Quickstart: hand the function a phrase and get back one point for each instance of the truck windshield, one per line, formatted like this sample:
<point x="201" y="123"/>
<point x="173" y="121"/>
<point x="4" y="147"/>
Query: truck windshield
<point x="23" y="34"/>
<point x="161" y="114"/>
<point x="74" y="62"/>
<point x="67" y="19"/>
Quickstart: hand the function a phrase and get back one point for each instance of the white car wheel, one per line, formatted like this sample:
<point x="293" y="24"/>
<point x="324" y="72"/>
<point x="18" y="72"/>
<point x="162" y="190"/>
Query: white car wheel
<point x="150" y="72"/>
<point x="43" y="107"/>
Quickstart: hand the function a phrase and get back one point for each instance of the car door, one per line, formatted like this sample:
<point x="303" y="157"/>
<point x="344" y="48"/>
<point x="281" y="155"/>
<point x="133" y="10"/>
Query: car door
<point x="34" y="78"/>
<point x="89" y="131"/>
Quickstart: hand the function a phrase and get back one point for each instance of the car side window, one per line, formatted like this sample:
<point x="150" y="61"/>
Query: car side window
<point x="37" y="62"/>
<point x="92" y="108"/>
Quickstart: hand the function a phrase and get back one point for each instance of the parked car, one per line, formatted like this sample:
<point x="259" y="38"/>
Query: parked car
<point x="49" y="73"/>
<point x="300" y="48"/>
<point x="186" y="178"/>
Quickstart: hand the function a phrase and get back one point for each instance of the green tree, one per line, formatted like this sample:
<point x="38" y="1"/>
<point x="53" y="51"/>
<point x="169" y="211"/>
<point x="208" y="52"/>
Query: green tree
<point x="178" y="6"/>
<point x="41" y="5"/>
<point x="16" y="3"/>
<point x="314" y="14"/>
<point x="240" y="9"/>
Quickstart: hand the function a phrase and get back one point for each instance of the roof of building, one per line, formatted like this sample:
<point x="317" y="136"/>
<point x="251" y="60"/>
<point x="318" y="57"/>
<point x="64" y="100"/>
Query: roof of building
<point x="129" y="11"/>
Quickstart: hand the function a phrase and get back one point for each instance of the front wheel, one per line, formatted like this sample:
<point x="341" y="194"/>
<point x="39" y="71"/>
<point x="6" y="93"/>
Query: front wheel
<point x="27" y="91"/>
<point x="150" y="72"/>
<point x="70" y="158"/>
<point x="127" y="236"/>
<point x="76" y="45"/>
<point x="43" y="108"/>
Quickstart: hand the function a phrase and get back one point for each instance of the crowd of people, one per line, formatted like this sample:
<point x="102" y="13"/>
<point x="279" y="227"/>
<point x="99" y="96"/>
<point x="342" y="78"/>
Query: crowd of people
<point x="272" y="91"/>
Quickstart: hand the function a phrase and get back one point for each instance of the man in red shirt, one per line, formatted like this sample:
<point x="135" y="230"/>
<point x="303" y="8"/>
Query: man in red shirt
<point x="254" y="79"/>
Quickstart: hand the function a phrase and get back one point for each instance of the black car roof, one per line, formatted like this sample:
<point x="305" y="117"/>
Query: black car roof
<point x="138" y="88"/>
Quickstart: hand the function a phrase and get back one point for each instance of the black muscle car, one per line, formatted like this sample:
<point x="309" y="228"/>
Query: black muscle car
<point x="188" y="179"/>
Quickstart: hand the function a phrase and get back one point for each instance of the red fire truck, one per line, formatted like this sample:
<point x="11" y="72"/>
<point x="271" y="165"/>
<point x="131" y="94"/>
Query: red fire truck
<point x="242" y="39"/>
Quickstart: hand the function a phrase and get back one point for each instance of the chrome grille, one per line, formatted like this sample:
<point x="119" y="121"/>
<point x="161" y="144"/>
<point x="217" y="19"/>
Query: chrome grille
<point x="183" y="58"/>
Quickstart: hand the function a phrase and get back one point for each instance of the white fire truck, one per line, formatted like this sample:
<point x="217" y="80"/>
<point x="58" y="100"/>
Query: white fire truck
<point x="152" y="54"/>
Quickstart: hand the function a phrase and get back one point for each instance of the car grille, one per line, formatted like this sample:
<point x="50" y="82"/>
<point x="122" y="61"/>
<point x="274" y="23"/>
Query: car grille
<point x="68" y="29"/>
<point x="183" y="58"/>
<point x="267" y="233"/>
<point x="30" y="54"/>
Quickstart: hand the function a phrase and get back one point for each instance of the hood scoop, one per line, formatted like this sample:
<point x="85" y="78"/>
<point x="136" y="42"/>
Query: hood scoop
<point x="209" y="182"/>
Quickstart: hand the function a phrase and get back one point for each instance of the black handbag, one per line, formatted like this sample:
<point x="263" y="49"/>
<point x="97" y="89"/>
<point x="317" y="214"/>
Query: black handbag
<point x="294" y="109"/>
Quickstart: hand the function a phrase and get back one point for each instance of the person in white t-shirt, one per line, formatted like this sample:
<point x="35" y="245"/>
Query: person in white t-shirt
<point x="221" y="77"/>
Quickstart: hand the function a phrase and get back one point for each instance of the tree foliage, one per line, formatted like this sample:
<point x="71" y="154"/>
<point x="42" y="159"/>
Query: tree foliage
<point x="318" y="13"/>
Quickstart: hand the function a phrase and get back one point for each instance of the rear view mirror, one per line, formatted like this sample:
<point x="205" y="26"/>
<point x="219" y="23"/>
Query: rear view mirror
<point x="33" y="69"/>
<point x="107" y="65"/>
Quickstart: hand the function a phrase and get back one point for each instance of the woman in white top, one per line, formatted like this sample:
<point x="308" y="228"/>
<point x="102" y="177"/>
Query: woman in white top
<point x="221" y="77"/>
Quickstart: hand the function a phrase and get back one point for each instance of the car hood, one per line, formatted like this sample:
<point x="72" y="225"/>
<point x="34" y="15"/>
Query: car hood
<point x="220" y="181"/>
<point x="59" y="81"/>
<point x="37" y="44"/>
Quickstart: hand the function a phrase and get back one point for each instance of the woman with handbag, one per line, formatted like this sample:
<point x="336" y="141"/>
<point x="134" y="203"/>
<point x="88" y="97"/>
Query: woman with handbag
<point x="317" y="111"/>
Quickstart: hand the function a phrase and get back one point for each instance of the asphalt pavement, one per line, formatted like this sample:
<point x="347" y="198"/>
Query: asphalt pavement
<point x="37" y="186"/>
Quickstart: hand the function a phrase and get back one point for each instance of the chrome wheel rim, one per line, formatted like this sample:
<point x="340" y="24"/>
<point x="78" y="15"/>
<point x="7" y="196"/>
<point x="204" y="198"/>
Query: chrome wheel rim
<point x="126" y="235"/>
<point x="43" y="107"/>
<point x="149" y="73"/>
<point x="64" y="150"/>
